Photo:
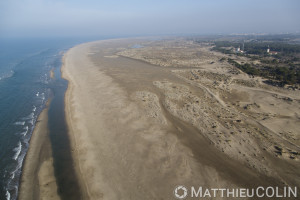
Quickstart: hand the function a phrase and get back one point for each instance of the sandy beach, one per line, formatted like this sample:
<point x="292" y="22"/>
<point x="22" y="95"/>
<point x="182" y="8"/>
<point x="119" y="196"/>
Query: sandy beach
<point x="141" y="123"/>
<point x="38" y="180"/>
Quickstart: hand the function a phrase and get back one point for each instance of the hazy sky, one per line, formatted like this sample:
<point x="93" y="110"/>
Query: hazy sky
<point x="44" y="18"/>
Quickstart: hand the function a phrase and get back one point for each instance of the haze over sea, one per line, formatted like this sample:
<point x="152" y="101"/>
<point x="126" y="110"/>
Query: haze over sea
<point x="25" y="87"/>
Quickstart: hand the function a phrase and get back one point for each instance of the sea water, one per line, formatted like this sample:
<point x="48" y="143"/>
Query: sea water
<point x="25" y="87"/>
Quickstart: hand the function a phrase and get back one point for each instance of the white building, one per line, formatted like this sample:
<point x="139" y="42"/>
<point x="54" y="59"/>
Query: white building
<point x="271" y="52"/>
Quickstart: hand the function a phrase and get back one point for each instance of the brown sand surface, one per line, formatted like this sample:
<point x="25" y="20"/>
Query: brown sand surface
<point x="38" y="180"/>
<point x="52" y="73"/>
<point x="141" y="123"/>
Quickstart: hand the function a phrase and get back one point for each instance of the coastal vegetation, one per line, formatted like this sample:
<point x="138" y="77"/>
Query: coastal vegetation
<point x="257" y="47"/>
<point x="275" y="58"/>
<point x="278" y="75"/>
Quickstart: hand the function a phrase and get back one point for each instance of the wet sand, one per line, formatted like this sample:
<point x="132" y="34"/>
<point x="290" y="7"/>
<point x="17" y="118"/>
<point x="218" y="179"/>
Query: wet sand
<point x="131" y="139"/>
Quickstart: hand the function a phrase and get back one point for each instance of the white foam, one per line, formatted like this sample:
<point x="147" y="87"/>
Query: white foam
<point x="20" y="159"/>
<point x="43" y="96"/>
<point x="34" y="109"/>
<point x="20" y="123"/>
<point x="31" y="121"/>
<point x="16" y="189"/>
<point x="7" y="75"/>
<point x="7" y="195"/>
<point x="37" y="94"/>
<point x="12" y="175"/>
<point x="30" y="116"/>
<point x="25" y="132"/>
<point x="17" y="150"/>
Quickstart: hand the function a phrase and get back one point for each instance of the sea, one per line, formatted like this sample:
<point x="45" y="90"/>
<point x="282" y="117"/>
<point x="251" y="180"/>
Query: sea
<point x="25" y="87"/>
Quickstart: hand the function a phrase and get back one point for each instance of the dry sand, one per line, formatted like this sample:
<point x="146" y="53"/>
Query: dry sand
<point x="138" y="130"/>
<point x="38" y="180"/>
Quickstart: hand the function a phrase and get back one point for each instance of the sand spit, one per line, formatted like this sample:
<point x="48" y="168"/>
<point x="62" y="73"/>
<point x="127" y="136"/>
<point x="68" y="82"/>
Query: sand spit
<point x="138" y="130"/>
<point x="38" y="180"/>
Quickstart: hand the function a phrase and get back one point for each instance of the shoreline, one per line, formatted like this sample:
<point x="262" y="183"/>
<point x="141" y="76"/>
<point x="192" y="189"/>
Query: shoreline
<point x="37" y="179"/>
<point x="72" y="139"/>
<point x="125" y="138"/>
<point x="47" y="172"/>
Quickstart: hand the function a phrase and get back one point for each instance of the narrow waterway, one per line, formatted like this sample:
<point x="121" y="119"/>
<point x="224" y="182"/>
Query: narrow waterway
<point x="68" y="187"/>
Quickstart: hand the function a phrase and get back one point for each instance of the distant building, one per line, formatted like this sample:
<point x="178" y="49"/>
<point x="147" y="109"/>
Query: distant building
<point x="239" y="50"/>
<point x="271" y="52"/>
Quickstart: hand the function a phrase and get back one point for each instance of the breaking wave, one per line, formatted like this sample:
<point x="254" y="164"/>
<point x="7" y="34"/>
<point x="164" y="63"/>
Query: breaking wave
<point x="17" y="150"/>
